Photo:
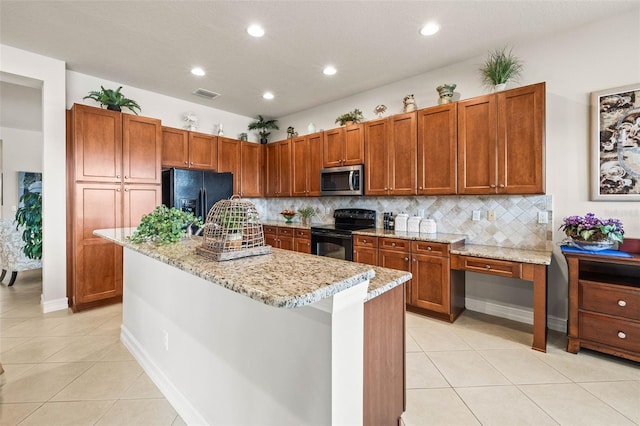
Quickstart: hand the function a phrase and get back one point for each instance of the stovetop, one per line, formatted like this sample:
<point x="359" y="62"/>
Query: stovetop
<point x="348" y="220"/>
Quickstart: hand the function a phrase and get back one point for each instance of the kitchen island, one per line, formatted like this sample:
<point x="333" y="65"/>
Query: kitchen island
<point x="283" y="338"/>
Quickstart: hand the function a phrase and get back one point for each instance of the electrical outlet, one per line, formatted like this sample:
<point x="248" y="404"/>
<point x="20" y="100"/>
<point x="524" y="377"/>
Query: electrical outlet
<point x="543" y="217"/>
<point x="475" y="215"/>
<point x="491" y="215"/>
<point x="165" y="340"/>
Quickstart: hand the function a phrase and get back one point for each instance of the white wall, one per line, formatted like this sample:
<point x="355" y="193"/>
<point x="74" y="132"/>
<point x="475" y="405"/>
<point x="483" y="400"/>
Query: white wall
<point x="21" y="151"/>
<point x="51" y="72"/>
<point x="598" y="56"/>
<point x="170" y="110"/>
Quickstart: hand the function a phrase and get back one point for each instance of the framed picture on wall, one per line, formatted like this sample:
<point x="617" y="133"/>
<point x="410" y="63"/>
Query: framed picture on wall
<point x="615" y="145"/>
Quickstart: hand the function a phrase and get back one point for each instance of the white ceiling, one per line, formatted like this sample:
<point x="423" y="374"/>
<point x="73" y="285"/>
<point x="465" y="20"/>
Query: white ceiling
<point x="153" y="44"/>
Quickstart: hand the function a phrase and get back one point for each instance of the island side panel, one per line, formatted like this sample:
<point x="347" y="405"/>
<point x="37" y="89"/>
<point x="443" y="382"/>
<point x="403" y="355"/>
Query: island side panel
<point x="213" y="352"/>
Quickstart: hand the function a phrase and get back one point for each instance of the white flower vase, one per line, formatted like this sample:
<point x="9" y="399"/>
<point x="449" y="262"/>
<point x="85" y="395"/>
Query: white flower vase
<point x="500" y="87"/>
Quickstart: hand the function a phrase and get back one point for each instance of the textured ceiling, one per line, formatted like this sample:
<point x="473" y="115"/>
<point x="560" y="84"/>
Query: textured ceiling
<point x="153" y="44"/>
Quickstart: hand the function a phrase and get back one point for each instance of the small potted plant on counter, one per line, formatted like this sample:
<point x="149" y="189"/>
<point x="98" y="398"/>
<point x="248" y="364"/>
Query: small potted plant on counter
<point x="306" y="213"/>
<point x="113" y="99"/>
<point x="592" y="233"/>
<point x="262" y="126"/>
<point x="351" y="117"/>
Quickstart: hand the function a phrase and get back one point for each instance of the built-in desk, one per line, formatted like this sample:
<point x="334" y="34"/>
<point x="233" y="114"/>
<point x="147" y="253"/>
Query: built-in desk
<point x="529" y="265"/>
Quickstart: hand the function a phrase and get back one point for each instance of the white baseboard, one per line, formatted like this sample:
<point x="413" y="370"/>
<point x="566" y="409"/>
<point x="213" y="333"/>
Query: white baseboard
<point x="516" y="314"/>
<point x="54" y="305"/>
<point x="189" y="414"/>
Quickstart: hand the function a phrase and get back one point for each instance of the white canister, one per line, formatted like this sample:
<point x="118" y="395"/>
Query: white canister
<point x="428" y="226"/>
<point x="401" y="222"/>
<point x="413" y="224"/>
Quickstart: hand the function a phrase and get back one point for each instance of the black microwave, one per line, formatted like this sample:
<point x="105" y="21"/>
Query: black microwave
<point x="346" y="180"/>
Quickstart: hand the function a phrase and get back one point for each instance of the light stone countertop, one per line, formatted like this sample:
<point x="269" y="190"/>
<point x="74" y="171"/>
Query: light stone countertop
<point x="504" y="253"/>
<point x="284" y="278"/>
<point x="282" y="224"/>
<point x="438" y="237"/>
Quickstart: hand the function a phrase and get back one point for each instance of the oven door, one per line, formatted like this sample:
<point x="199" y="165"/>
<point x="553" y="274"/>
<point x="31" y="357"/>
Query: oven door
<point x="331" y="244"/>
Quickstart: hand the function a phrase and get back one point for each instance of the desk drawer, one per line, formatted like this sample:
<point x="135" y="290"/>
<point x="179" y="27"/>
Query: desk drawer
<point x="609" y="299"/>
<point x="616" y="332"/>
<point x="365" y="241"/>
<point x="430" y="249"/>
<point x="502" y="268"/>
<point x="394" y="244"/>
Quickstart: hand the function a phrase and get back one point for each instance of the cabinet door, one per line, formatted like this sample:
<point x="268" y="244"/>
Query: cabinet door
<point x="316" y="141"/>
<point x="97" y="274"/>
<point x="430" y="283"/>
<point x="285" y="242"/>
<point x="139" y="200"/>
<point x="376" y="153"/>
<point x="354" y="145"/>
<point x="97" y="144"/>
<point x="366" y="255"/>
<point x="333" y="151"/>
<point x="271" y="240"/>
<point x="437" y="148"/>
<point x="229" y="160"/>
<point x="252" y="169"/>
<point x="300" y="162"/>
<point x="272" y="171"/>
<point x="477" y="151"/>
<point x="175" y="147"/>
<point x="521" y="140"/>
<point x="284" y="168"/>
<point x="141" y="149"/>
<point x="203" y="151"/>
<point x="402" y="154"/>
<point x="400" y="260"/>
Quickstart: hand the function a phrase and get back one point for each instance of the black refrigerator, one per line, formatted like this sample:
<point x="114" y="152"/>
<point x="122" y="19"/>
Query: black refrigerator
<point x="195" y="191"/>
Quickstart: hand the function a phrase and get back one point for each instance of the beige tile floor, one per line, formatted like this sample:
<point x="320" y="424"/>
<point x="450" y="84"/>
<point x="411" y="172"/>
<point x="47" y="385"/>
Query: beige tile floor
<point x="71" y="369"/>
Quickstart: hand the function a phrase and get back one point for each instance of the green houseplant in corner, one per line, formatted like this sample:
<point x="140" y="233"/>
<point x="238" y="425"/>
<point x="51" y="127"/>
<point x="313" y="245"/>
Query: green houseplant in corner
<point x="29" y="215"/>
<point x="499" y="67"/>
<point x="113" y="99"/>
<point x="164" y="225"/>
<point x="354" y="116"/>
<point x="263" y="126"/>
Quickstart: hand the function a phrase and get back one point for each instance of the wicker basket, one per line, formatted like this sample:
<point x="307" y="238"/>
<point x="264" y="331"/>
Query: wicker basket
<point x="232" y="230"/>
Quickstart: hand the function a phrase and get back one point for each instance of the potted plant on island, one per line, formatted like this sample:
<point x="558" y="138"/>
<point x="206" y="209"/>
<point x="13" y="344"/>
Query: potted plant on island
<point x="113" y="99"/>
<point x="164" y="225"/>
<point x="263" y="126"/>
<point x="499" y="67"/>
<point x="351" y="117"/>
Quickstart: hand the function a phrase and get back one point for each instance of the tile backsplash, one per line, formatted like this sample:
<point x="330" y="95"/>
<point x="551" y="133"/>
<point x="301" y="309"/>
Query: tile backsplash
<point x="515" y="225"/>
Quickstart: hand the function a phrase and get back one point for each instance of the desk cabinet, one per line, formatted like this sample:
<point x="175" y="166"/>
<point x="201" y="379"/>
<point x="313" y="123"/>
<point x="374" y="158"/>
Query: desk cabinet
<point x="604" y="302"/>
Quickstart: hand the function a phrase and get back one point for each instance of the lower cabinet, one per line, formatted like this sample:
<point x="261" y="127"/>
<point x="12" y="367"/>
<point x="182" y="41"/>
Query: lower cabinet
<point x="365" y="250"/>
<point x="395" y="253"/>
<point x="288" y="238"/>
<point x="302" y="240"/>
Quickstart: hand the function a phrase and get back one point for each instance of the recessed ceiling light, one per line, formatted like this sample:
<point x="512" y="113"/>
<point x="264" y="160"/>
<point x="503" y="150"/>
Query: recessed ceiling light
<point x="329" y="70"/>
<point x="197" y="71"/>
<point x="430" y="29"/>
<point x="255" y="30"/>
<point x="268" y="95"/>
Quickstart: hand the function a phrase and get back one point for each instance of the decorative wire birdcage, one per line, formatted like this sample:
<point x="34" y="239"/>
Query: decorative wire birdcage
<point x="232" y="230"/>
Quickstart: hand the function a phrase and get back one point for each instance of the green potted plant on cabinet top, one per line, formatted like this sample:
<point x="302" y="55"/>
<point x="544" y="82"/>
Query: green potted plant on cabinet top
<point x="263" y="126"/>
<point x="499" y="67"/>
<point x="113" y="99"/>
<point x="354" y="116"/>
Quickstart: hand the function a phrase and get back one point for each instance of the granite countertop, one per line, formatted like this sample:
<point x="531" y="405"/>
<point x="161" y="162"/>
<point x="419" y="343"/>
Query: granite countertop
<point x="504" y="253"/>
<point x="296" y="225"/>
<point x="438" y="237"/>
<point x="283" y="278"/>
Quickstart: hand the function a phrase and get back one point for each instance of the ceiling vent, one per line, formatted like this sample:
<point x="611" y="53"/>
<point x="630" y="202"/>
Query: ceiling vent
<point x="206" y="93"/>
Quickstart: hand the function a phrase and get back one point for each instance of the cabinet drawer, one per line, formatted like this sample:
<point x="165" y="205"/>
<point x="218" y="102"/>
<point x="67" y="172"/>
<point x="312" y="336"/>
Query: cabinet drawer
<point x="365" y="241"/>
<point x="270" y="229"/>
<point x="429" y="248"/>
<point x="503" y="268"/>
<point x="610" y="299"/>
<point x="287" y="232"/>
<point x="620" y="333"/>
<point x="302" y="234"/>
<point x="394" y="244"/>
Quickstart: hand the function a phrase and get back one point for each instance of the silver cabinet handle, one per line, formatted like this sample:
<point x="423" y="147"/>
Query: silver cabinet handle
<point x="502" y="185"/>
<point x="622" y="303"/>
<point x="364" y="241"/>
<point x="406" y="259"/>
<point x="191" y="163"/>
<point x="186" y="162"/>
<point x="429" y="248"/>
<point x="492" y="186"/>
<point x="126" y="177"/>
<point x="622" y="335"/>
<point x="487" y="266"/>
<point x="393" y="244"/>
<point x="414" y="259"/>
<point x="117" y="176"/>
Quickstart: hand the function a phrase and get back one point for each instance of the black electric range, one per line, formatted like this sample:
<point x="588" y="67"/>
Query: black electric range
<point x="335" y="240"/>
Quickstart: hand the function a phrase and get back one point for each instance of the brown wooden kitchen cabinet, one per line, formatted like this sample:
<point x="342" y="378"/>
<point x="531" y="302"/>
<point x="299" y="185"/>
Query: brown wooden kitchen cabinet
<point x="501" y="142"/>
<point x="302" y="240"/>
<point x="365" y="249"/>
<point x="344" y="146"/>
<point x="229" y="160"/>
<point x="604" y="302"/>
<point x="189" y="150"/>
<point x="306" y="153"/>
<point x="113" y="178"/>
<point x="278" y="169"/>
<point x="252" y="169"/>
<point x="390" y="155"/>
<point x="279" y="237"/>
<point x="395" y="253"/>
<point x="437" y="150"/>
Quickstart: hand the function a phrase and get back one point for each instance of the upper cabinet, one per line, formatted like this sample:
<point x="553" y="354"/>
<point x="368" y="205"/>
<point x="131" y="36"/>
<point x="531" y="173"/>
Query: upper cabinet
<point x="501" y="142"/>
<point x="185" y="149"/>
<point x="278" y="169"/>
<point x="306" y="154"/>
<point x="437" y="148"/>
<point x="344" y="146"/>
<point x="390" y="155"/>
<point x="252" y="169"/>
<point x="229" y="154"/>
